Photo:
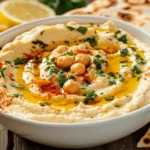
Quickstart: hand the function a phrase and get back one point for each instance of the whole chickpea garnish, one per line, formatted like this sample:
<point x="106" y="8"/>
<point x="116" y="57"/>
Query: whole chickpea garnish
<point x="78" y="69"/>
<point x="82" y="58"/>
<point x="65" y="61"/>
<point x="71" y="87"/>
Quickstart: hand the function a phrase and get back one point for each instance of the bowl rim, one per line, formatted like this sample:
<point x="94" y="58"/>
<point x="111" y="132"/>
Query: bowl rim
<point x="35" y="122"/>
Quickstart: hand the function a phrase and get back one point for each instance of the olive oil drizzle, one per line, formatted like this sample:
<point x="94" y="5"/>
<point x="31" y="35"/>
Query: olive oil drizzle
<point x="114" y="61"/>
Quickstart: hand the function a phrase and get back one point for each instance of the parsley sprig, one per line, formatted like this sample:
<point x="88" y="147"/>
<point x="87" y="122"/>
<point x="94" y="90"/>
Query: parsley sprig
<point x="136" y="70"/>
<point x="124" y="52"/>
<point x="90" y="97"/>
<point x="82" y="29"/>
<point x="109" y="98"/>
<point x="2" y="72"/>
<point x="92" y="41"/>
<point x="19" y="86"/>
<point x="20" y="61"/>
<point x="40" y="43"/>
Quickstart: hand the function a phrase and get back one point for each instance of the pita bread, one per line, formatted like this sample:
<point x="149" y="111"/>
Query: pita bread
<point x="145" y="140"/>
<point x="134" y="11"/>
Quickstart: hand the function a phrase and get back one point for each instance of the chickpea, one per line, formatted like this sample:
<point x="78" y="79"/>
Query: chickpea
<point x="77" y="69"/>
<point x="82" y="58"/>
<point x="71" y="87"/>
<point x="65" y="61"/>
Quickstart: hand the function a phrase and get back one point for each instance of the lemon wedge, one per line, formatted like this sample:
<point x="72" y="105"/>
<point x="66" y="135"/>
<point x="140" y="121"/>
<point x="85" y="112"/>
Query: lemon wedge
<point x="20" y="11"/>
<point x="3" y="27"/>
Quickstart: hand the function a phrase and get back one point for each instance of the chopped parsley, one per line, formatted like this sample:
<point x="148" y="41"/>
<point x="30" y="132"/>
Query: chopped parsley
<point x="45" y="104"/>
<point x="17" y="95"/>
<point x="122" y="80"/>
<point x="91" y="41"/>
<point x="111" y="74"/>
<point x="40" y="43"/>
<point x="2" y="72"/>
<point x="123" y="39"/>
<point x="50" y="63"/>
<point x="142" y="61"/>
<point x="84" y="86"/>
<point x="12" y="79"/>
<point x="53" y="70"/>
<point x="136" y="70"/>
<point x="101" y="93"/>
<point x="71" y="77"/>
<point x="98" y="56"/>
<point x="112" y="82"/>
<point x="4" y="86"/>
<point x="138" y="56"/>
<point x="70" y="28"/>
<point x="90" y="97"/>
<point x="97" y="63"/>
<point x="124" y="52"/>
<point x="7" y="62"/>
<point x="123" y="61"/>
<point x="62" y="81"/>
<point x="66" y="42"/>
<point x="36" y="60"/>
<point x="82" y="29"/>
<point x="102" y="74"/>
<point x="61" y="78"/>
<point x="42" y="32"/>
<point x="117" y="32"/>
<point x="76" y="102"/>
<point x="68" y="53"/>
<point x="118" y="106"/>
<point x="17" y="86"/>
<point x="20" y="61"/>
<point x="133" y="48"/>
<point x="138" y="78"/>
<point x="109" y="98"/>
<point x="86" y="81"/>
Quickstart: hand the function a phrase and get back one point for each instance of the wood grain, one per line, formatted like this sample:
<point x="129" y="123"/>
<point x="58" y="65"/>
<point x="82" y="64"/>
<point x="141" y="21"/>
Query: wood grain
<point x="3" y="138"/>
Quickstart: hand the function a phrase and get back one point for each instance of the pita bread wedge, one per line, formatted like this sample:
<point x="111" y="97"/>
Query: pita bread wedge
<point x="133" y="11"/>
<point x="145" y="140"/>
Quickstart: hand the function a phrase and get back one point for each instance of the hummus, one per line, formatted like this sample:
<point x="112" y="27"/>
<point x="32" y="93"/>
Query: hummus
<point x="74" y="73"/>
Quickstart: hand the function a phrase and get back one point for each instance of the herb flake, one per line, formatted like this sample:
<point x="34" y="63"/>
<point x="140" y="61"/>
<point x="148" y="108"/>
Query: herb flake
<point x="2" y="72"/>
<point x="20" y="61"/>
<point x="82" y="29"/>
<point x="17" y="86"/>
<point x="70" y="28"/>
<point x="17" y="95"/>
<point x="90" y="97"/>
<point x="109" y="98"/>
<point x="136" y="70"/>
<point x="91" y="41"/>
<point x="124" y="52"/>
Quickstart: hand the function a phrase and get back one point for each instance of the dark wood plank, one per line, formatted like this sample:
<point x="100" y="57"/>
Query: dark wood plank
<point x="3" y="138"/>
<point x="127" y="143"/>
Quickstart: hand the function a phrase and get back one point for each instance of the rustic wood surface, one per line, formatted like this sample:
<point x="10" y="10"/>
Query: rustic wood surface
<point x="11" y="141"/>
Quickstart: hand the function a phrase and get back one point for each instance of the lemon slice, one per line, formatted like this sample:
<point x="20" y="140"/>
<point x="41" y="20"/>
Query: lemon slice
<point x="20" y="11"/>
<point x="3" y="27"/>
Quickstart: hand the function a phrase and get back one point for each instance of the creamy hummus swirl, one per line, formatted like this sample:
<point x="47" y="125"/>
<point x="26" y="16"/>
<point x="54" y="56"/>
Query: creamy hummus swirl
<point x="74" y="73"/>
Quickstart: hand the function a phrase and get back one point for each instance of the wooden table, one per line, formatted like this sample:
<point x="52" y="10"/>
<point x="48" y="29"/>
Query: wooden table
<point x="11" y="141"/>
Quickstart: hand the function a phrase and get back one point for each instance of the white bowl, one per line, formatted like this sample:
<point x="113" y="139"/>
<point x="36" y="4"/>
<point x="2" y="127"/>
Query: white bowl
<point x="76" y="135"/>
